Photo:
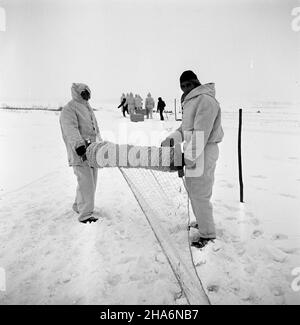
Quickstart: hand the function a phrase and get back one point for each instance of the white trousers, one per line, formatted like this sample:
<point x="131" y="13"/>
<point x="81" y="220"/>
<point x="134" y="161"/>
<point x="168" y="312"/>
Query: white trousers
<point x="149" y="112"/>
<point x="200" y="192"/>
<point x="85" y="192"/>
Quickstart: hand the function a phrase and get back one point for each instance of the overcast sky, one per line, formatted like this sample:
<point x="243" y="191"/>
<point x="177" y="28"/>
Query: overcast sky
<point x="248" y="48"/>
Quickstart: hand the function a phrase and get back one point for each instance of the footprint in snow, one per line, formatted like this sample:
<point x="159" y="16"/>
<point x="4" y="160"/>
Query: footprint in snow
<point x="251" y="298"/>
<point x="289" y="250"/>
<point x="279" y="237"/>
<point x="213" y="288"/>
<point x="257" y="233"/>
<point x="288" y="195"/>
<point x="276" y="254"/>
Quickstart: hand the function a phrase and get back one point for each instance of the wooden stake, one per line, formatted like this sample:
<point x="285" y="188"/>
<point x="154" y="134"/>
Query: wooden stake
<point x="240" y="157"/>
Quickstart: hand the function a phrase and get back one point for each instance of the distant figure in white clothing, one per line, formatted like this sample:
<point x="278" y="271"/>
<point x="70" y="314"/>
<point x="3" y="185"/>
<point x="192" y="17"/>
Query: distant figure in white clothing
<point x="149" y="106"/>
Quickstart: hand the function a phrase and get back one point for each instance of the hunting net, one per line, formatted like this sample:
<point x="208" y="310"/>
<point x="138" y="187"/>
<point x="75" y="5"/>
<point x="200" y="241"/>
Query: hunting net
<point x="164" y="202"/>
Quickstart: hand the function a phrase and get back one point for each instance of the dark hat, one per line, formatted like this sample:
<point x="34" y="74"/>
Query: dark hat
<point x="187" y="76"/>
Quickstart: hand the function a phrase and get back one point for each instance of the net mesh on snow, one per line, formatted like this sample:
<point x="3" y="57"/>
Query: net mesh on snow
<point x="164" y="201"/>
<point x="162" y="193"/>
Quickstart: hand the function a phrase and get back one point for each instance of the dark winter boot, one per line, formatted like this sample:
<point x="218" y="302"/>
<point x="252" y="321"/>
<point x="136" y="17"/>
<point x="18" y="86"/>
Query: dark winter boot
<point x="89" y="220"/>
<point x="201" y="242"/>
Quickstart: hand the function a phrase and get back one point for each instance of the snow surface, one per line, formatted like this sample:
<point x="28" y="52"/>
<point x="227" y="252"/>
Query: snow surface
<point x="50" y="258"/>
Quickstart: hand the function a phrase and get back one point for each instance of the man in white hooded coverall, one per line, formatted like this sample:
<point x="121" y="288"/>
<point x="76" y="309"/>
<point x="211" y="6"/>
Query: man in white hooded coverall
<point x="79" y="128"/>
<point x="200" y="131"/>
<point x="138" y="102"/>
<point x="131" y="104"/>
<point x="149" y="105"/>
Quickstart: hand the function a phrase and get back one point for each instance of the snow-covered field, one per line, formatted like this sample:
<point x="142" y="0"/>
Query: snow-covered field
<point x="50" y="258"/>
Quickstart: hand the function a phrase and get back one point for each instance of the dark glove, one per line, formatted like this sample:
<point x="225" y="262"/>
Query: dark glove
<point x="168" y="142"/>
<point x="80" y="151"/>
<point x="178" y="165"/>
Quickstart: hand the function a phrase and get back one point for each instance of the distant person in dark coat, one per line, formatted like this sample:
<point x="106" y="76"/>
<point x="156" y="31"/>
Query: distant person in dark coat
<point x="123" y="105"/>
<point x="160" y="107"/>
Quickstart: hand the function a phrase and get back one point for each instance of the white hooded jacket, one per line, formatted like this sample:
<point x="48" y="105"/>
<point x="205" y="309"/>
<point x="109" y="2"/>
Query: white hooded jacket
<point x="149" y="102"/>
<point x="78" y="123"/>
<point x="201" y="112"/>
